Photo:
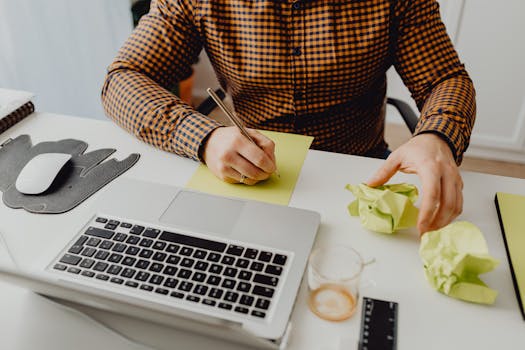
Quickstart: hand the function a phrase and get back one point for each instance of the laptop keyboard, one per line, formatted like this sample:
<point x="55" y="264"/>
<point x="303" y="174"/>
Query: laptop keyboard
<point x="231" y="277"/>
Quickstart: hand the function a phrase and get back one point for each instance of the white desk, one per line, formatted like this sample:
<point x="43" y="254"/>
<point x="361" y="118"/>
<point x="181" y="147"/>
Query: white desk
<point x="427" y="319"/>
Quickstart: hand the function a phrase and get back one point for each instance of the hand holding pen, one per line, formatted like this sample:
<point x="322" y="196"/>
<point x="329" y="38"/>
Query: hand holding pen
<point x="239" y="155"/>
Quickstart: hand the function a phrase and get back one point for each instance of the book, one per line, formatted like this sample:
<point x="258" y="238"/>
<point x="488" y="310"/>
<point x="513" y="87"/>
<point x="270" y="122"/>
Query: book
<point x="511" y="213"/>
<point x="14" y="106"/>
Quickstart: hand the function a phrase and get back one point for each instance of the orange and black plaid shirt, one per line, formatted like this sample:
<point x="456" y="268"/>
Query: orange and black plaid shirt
<point x="314" y="67"/>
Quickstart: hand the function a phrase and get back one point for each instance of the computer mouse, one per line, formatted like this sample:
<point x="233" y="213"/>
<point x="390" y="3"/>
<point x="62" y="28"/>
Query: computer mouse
<point x="40" y="172"/>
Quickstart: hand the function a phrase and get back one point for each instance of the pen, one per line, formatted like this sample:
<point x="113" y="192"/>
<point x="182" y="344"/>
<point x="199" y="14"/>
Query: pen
<point x="233" y="118"/>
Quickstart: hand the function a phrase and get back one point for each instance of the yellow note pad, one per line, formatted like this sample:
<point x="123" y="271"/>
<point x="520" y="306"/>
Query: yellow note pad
<point x="290" y="152"/>
<point x="511" y="211"/>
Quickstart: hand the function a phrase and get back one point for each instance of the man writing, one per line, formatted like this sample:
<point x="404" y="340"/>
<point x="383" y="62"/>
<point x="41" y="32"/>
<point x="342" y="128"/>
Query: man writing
<point x="309" y="67"/>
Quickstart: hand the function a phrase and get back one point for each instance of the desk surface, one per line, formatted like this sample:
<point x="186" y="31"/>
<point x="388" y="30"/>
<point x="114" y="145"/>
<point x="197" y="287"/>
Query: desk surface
<point x="427" y="319"/>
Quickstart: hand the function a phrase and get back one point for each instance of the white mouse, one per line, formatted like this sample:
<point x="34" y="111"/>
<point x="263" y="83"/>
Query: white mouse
<point x="40" y="172"/>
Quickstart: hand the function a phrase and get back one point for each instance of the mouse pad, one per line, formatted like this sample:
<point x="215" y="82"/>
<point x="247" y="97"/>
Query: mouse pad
<point x="83" y="174"/>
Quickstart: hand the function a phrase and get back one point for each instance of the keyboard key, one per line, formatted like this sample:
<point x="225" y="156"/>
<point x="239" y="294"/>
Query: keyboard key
<point x="216" y="293"/>
<point x="173" y="259"/>
<point x="241" y="309"/>
<point x="81" y="240"/>
<point x="102" y="255"/>
<point x="187" y="262"/>
<point x="102" y="277"/>
<point x="159" y="256"/>
<point x="60" y="267"/>
<point x="265" y="279"/>
<point x="251" y="253"/>
<point x="231" y="297"/>
<point x="114" y="269"/>
<point x="88" y="251"/>
<point x="247" y="300"/>
<point x="184" y="273"/>
<point x="228" y="260"/>
<point x="199" y="277"/>
<point x="279" y="259"/>
<point x="235" y="250"/>
<point x="159" y="245"/>
<point x="162" y="291"/>
<point x="128" y="273"/>
<point x="263" y="291"/>
<point x="244" y="287"/>
<point x="129" y="261"/>
<point x="257" y="266"/>
<point x="110" y="226"/>
<point x="214" y="257"/>
<point x="228" y="283"/>
<point x="75" y="249"/>
<point x="172" y="248"/>
<point x="178" y="295"/>
<point x="209" y="302"/>
<point x="120" y="237"/>
<point x="87" y="263"/>
<point x="200" y="289"/>
<point x="117" y="280"/>
<point x="133" y="240"/>
<point x="142" y="264"/>
<point x="187" y="251"/>
<point x="192" y="241"/>
<point x="185" y="286"/>
<point x="146" y="287"/>
<point x="131" y="284"/>
<point x="214" y="280"/>
<point x="98" y="232"/>
<point x="193" y="298"/>
<point x="100" y="266"/>
<point x="258" y="313"/>
<point x="146" y="242"/>
<point x="201" y="265"/>
<point x="74" y="270"/>
<point x="216" y="269"/>
<point x="156" y="267"/>
<point x="106" y="244"/>
<point x="156" y="279"/>
<point x="146" y="253"/>
<point x="265" y="256"/>
<point x="136" y="230"/>
<point x="199" y="254"/>
<point x="126" y="225"/>
<point x="119" y="247"/>
<point x="230" y="272"/>
<point x="151" y="233"/>
<point x="170" y="270"/>
<point x="88" y="273"/>
<point x="101" y="220"/>
<point x="70" y="259"/>
<point x="243" y="263"/>
<point x="274" y="270"/>
<point x="115" y="258"/>
<point x="245" y="275"/>
<point x="114" y="222"/>
<point x="132" y="250"/>
<point x="225" y="306"/>
<point x="171" y="282"/>
<point x="142" y="276"/>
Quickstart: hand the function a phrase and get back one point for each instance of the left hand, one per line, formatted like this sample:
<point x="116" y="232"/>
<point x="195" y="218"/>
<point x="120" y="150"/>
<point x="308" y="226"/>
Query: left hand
<point x="428" y="156"/>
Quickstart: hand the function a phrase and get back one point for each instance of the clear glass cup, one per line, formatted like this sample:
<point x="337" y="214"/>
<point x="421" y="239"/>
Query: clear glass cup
<point x="334" y="274"/>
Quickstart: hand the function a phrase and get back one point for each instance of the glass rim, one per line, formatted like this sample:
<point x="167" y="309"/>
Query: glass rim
<point x="336" y="280"/>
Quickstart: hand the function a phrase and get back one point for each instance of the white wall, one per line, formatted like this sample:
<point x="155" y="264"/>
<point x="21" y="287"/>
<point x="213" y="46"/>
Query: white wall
<point x="60" y="49"/>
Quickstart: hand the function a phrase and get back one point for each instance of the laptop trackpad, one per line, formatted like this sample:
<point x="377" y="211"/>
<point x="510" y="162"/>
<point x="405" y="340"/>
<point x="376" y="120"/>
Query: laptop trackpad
<point x="203" y="212"/>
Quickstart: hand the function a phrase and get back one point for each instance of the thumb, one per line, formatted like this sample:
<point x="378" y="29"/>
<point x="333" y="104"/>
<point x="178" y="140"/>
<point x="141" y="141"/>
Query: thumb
<point x="383" y="174"/>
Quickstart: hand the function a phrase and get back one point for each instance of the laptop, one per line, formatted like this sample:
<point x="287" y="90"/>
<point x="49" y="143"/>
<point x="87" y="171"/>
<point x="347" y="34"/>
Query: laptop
<point x="223" y="267"/>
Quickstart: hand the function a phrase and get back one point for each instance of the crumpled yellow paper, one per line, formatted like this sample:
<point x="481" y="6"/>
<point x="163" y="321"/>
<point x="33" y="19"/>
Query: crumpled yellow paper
<point x="454" y="257"/>
<point x="386" y="208"/>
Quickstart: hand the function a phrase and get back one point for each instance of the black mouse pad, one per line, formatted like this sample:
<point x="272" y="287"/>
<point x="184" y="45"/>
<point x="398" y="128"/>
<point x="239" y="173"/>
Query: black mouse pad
<point x="83" y="174"/>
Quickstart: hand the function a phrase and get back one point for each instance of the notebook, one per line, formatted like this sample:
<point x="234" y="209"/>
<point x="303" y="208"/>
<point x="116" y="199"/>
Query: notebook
<point x="14" y="106"/>
<point x="511" y="213"/>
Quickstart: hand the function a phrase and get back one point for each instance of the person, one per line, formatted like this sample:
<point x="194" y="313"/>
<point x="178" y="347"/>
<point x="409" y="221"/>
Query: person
<point x="309" y="67"/>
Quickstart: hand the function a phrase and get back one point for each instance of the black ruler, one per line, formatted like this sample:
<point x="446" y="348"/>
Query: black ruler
<point x="378" y="325"/>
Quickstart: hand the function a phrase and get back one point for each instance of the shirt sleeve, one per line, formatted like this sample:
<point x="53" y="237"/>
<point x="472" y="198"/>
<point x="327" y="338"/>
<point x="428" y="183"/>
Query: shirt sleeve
<point x="425" y="59"/>
<point x="158" y="54"/>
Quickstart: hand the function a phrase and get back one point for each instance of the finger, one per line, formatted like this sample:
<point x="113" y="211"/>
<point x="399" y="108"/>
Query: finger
<point x="447" y="208"/>
<point x="459" y="200"/>
<point x="385" y="172"/>
<point x="250" y="171"/>
<point x="258" y="158"/>
<point x="265" y="143"/>
<point x="431" y="189"/>
<point x="237" y="177"/>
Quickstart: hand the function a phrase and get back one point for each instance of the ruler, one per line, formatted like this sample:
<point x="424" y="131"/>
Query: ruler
<point x="378" y="325"/>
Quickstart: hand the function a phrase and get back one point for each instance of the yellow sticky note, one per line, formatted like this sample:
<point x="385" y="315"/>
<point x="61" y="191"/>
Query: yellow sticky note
<point x="290" y="152"/>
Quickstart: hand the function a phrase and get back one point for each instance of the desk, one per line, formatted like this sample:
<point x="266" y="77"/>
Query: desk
<point x="427" y="319"/>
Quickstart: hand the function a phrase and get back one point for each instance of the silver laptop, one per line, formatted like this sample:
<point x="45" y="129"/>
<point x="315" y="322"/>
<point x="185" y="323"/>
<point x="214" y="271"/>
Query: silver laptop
<point x="225" y="267"/>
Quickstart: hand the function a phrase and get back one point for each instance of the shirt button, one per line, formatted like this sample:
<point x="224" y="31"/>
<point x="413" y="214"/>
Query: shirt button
<point x="296" y="5"/>
<point x="296" y="51"/>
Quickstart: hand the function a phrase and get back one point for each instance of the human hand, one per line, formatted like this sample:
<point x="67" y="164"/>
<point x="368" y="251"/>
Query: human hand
<point x="428" y="156"/>
<point x="229" y="154"/>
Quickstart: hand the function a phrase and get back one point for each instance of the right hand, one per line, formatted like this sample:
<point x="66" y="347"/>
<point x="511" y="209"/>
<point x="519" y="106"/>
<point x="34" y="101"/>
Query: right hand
<point x="228" y="154"/>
